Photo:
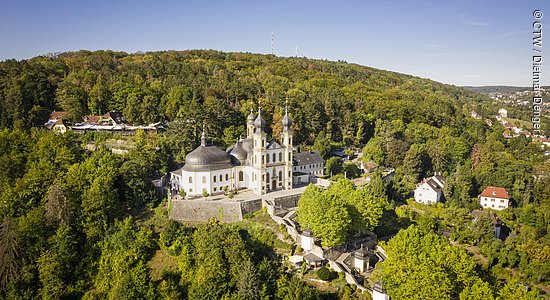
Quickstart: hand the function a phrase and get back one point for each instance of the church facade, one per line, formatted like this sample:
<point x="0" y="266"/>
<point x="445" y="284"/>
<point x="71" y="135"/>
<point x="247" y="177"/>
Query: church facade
<point x="251" y="163"/>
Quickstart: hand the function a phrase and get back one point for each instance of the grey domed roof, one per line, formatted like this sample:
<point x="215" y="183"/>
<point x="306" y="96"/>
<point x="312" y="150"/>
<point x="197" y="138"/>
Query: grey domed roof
<point x="251" y="117"/>
<point x="207" y="158"/>
<point x="287" y="122"/>
<point x="239" y="152"/>
<point x="259" y="123"/>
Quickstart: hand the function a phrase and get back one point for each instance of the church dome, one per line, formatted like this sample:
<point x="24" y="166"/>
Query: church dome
<point x="239" y="152"/>
<point x="259" y="123"/>
<point x="251" y="117"/>
<point x="287" y="122"/>
<point x="207" y="158"/>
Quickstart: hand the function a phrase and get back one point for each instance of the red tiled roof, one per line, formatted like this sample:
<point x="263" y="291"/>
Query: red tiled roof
<point x="495" y="192"/>
<point x="92" y="119"/>
<point x="57" y="115"/>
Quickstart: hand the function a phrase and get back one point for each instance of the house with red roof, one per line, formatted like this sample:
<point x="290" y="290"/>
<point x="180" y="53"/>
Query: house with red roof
<point x="56" y="122"/>
<point x="494" y="197"/>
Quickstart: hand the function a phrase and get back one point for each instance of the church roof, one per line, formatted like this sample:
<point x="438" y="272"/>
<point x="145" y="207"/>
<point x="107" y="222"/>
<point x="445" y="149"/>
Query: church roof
<point x="207" y="158"/>
<point x="259" y="123"/>
<point x="241" y="151"/>
<point x="307" y="158"/>
<point x="273" y="145"/>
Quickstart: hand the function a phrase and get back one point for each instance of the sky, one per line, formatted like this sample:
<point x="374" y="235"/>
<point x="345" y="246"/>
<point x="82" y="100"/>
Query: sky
<point x="460" y="42"/>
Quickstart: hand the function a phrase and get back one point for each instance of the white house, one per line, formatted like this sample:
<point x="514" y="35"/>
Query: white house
<point x="429" y="191"/>
<point x="56" y="123"/>
<point x="494" y="197"/>
<point x="307" y="165"/>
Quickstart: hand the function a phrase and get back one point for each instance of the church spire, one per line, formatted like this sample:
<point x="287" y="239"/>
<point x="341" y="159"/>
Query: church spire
<point x="287" y="122"/>
<point x="203" y="136"/>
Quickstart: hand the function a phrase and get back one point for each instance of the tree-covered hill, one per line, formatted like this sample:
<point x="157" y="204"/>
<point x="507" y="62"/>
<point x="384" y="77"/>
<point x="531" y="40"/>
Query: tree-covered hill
<point x="219" y="88"/>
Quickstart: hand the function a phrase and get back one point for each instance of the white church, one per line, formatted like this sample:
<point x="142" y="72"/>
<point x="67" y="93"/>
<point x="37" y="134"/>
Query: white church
<point x="252" y="163"/>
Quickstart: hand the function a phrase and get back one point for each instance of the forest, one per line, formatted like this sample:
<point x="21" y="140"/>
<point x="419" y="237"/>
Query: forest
<point x="87" y="224"/>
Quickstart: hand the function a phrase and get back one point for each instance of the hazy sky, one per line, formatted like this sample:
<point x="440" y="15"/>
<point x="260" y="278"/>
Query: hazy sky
<point x="468" y="42"/>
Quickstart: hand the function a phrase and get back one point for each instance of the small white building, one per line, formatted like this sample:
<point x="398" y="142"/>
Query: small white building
<point x="495" y="198"/>
<point x="378" y="292"/>
<point x="429" y="191"/>
<point x="56" y="122"/>
<point x="503" y="113"/>
<point x="307" y="165"/>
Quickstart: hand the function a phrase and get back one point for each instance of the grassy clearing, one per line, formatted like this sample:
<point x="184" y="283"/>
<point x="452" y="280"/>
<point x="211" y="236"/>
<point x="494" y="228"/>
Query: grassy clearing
<point x="521" y="123"/>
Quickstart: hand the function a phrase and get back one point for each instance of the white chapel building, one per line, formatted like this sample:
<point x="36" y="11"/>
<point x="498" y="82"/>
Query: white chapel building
<point x="251" y="163"/>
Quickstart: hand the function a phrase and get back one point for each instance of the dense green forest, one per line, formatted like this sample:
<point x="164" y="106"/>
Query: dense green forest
<point x="77" y="223"/>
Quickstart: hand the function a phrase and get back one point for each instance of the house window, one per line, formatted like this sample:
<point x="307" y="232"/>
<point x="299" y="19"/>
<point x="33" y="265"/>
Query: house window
<point x="280" y="156"/>
<point x="226" y="177"/>
<point x="241" y="176"/>
<point x="203" y="179"/>
<point x="492" y="200"/>
<point x="501" y="200"/>
<point x="190" y="179"/>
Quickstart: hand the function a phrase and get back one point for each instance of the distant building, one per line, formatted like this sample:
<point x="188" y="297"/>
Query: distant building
<point x="56" y="122"/>
<point x="494" y="197"/>
<point x="307" y="165"/>
<point x="113" y="122"/>
<point x="503" y="113"/>
<point x="429" y="191"/>
<point x="368" y="167"/>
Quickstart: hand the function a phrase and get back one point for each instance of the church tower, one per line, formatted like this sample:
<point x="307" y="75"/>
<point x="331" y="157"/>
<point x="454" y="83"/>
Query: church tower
<point x="287" y="145"/>
<point x="259" y="160"/>
<point x="250" y="124"/>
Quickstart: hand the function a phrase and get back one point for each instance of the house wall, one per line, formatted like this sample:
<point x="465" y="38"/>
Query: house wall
<point x="425" y="194"/>
<point x="313" y="169"/>
<point x="494" y="203"/>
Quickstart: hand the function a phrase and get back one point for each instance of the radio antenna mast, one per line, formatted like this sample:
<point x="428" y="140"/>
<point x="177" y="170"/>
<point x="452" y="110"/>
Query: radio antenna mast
<point x="272" y="43"/>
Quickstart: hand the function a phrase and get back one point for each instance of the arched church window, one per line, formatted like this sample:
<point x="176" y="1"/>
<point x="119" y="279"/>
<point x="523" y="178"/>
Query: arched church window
<point x="226" y="177"/>
<point x="280" y="156"/>
<point x="280" y="175"/>
<point x="190" y="179"/>
<point x="267" y="158"/>
<point x="220" y="177"/>
<point x="274" y="157"/>
<point x="203" y="179"/>
<point x="241" y="176"/>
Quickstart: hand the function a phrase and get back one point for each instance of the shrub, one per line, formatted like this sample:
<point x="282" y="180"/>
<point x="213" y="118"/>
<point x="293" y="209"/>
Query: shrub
<point x="324" y="274"/>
